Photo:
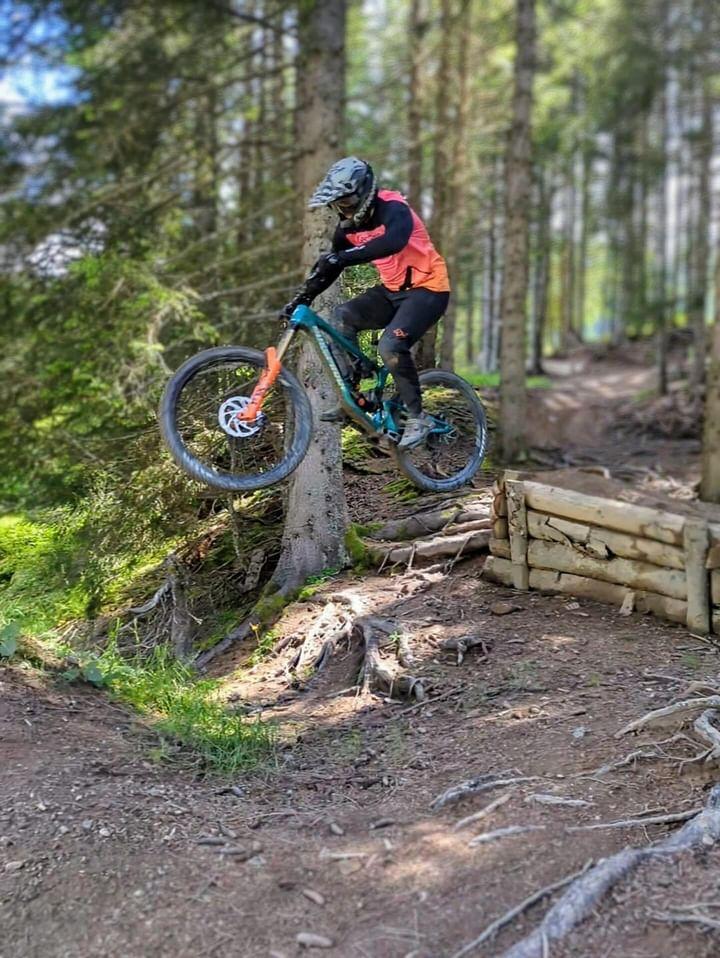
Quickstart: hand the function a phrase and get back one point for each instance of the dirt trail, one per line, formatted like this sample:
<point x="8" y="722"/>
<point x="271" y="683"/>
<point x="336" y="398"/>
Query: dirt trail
<point x="101" y="845"/>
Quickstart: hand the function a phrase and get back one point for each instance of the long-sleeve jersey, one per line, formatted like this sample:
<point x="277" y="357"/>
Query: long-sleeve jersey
<point x="396" y="241"/>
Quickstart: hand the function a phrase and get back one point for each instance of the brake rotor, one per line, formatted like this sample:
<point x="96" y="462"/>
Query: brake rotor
<point x="235" y="427"/>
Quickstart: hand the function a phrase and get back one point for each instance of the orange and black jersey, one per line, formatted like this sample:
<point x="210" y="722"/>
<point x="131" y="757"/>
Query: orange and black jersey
<point x="395" y="240"/>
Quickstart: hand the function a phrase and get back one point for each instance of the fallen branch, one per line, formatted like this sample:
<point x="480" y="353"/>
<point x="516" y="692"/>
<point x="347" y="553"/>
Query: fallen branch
<point x="585" y="892"/>
<point x="441" y="545"/>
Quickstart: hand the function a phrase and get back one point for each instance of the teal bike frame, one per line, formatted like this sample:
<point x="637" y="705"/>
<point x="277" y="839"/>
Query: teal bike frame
<point x="385" y="420"/>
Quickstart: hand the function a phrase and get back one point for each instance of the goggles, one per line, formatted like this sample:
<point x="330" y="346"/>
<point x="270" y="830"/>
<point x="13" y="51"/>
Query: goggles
<point x="346" y="205"/>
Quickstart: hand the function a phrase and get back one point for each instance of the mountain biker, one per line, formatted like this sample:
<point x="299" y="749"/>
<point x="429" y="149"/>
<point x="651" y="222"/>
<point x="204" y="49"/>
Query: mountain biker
<point x="378" y="226"/>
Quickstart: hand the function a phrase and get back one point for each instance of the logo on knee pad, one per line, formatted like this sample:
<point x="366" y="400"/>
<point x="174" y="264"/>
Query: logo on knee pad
<point x="400" y="333"/>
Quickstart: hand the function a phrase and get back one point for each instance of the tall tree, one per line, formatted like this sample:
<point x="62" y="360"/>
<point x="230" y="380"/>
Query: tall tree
<point x="416" y="30"/>
<point x="427" y="348"/>
<point x="710" y="480"/>
<point x="518" y="172"/>
<point x="316" y="514"/>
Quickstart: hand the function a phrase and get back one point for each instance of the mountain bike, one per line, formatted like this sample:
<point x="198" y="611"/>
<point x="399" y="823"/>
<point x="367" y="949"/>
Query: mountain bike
<point x="237" y="419"/>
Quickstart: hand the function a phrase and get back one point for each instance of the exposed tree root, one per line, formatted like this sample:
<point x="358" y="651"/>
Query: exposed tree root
<point x="461" y="644"/>
<point x="518" y="910"/>
<point x="266" y="611"/>
<point x="475" y="786"/>
<point x="586" y="891"/>
<point x="386" y="648"/>
<point x="680" y="710"/>
<point x="376" y="674"/>
<point x="509" y="830"/>
<point x="702" y="729"/>
<point x="484" y="812"/>
<point x="635" y="822"/>
<point x="690" y="915"/>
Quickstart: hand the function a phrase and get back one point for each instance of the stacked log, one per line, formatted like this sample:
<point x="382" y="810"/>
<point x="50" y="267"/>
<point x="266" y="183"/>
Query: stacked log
<point x="647" y="559"/>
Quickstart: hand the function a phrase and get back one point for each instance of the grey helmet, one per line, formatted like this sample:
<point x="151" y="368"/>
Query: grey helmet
<point x="349" y="188"/>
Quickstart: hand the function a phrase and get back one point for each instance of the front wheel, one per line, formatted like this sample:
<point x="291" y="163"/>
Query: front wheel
<point x="198" y="421"/>
<point x="455" y="448"/>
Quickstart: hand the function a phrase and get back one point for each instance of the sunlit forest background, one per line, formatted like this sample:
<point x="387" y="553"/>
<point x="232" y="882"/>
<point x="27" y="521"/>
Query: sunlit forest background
<point x="149" y="209"/>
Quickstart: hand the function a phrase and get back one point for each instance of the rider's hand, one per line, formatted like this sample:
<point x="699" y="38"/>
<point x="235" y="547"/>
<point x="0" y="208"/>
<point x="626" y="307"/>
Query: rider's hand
<point x="327" y="263"/>
<point x="289" y="308"/>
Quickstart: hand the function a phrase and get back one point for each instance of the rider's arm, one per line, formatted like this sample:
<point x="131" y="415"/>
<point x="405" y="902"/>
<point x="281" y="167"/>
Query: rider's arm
<point x="320" y="279"/>
<point x="397" y="220"/>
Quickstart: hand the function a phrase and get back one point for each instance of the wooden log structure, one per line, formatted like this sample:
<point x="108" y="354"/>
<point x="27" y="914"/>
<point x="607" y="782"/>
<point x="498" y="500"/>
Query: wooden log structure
<point x="518" y="533"/>
<point x="697" y="545"/>
<point x="628" y="572"/>
<point x="603" y="543"/>
<point x="606" y="513"/>
<point x="546" y="580"/>
<point x="648" y="559"/>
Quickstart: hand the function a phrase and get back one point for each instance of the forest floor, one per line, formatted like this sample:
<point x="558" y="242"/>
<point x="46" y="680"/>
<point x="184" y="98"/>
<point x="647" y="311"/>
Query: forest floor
<point x="106" y="852"/>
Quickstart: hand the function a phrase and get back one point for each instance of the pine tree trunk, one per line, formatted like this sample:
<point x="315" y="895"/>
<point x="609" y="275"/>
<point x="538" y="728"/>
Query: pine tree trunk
<point x="710" y="480"/>
<point x="585" y="214"/>
<point x="663" y="227"/>
<point x="514" y="293"/>
<point x="568" y="260"/>
<point x="455" y="203"/>
<point x="488" y="289"/>
<point x="470" y="315"/>
<point x="426" y="355"/>
<point x="541" y="278"/>
<point x="416" y="29"/>
<point x="316" y="515"/>
<point x="702" y="246"/>
<point x="499" y="270"/>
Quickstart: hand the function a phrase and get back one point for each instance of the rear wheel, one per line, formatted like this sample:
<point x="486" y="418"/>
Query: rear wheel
<point x="455" y="448"/>
<point x="198" y="421"/>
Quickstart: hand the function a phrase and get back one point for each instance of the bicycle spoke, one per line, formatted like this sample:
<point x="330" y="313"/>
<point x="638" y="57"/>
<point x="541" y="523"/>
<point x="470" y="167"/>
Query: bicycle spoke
<point x="454" y="449"/>
<point x="207" y="440"/>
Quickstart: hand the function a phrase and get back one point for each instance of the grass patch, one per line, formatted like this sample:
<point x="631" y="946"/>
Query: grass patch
<point x="265" y="643"/>
<point x="315" y="582"/>
<point x="401" y="489"/>
<point x="182" y="708"/>
<point x="50" y="573"/>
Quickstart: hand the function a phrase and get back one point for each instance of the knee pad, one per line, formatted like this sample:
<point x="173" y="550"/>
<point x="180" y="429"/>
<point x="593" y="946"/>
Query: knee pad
<point x="391" y="350"/>
<point x="342" y="320"/>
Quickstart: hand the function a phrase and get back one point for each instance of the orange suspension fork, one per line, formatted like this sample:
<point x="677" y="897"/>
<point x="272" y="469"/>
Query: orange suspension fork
<point x="273" y="365"/>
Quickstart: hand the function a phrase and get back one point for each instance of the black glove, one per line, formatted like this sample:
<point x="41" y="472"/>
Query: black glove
<point x="328" y="264"/>
<point x="299" y="300"/>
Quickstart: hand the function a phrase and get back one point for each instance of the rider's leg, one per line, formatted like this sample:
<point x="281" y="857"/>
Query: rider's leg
<point x="418" y="310"/>
<point x="372" y="309"/>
